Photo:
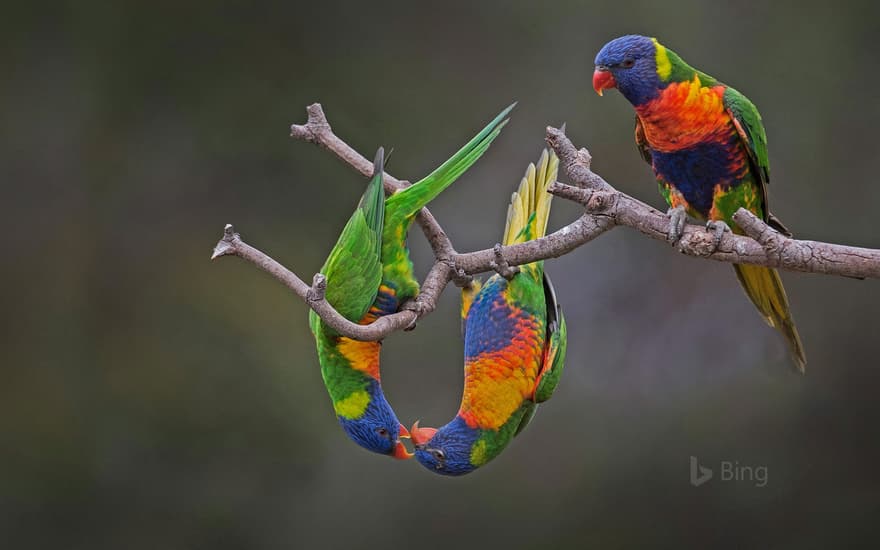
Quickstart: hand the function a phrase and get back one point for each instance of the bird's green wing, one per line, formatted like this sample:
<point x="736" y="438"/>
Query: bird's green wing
<point x="354" y="268"/>
<point x="748" y="125"/>
<point x="747" y="121"/>
<point x="554" y="356"/>
<point x="751" y="131"/>
<point x="557" y="342"/>
<point x="529" y="410"/>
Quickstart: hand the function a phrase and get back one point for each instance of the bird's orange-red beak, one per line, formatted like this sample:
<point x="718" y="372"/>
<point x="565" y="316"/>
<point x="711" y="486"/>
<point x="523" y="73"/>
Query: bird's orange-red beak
<point x="603" y="80"/>
<point x="404" y="433"/>
<point x="420" y="436"/>
<point x="400" y="450"/>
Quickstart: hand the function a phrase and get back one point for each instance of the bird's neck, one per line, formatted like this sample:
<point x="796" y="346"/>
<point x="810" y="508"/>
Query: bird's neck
<point x="490" y="442"/>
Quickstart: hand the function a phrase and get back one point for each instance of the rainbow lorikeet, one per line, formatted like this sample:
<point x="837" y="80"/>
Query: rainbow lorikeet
<point x="514" y="341"/>
<point x="708" y="149"/>
<point x="369" y="274"/>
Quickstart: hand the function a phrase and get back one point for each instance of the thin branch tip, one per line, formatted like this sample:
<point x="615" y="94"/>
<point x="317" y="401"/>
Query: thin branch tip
<point x="316" y="124"/>
<point x="226" y="245"/>
<point x="316" y="113"/>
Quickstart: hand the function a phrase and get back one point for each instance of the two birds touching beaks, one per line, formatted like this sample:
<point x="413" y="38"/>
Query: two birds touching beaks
<point x="513" y="328"/>
<point x="706" y="145"/>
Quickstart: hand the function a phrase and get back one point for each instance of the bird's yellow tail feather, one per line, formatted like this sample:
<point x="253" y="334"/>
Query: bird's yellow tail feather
<point x="764" y="288"/>
<point x="530" y="205"/>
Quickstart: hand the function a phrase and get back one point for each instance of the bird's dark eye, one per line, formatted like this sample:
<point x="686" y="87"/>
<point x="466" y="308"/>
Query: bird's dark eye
<point x="382" y="432"/>
<point x="627" y="63"/>
<point x="438" y="454"/>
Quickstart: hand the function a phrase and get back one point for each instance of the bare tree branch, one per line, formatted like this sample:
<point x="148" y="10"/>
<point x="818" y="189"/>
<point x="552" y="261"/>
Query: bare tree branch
<point x="232" y="244"/>
<point x="763" y="245"/>
<point x="605" y="208"/>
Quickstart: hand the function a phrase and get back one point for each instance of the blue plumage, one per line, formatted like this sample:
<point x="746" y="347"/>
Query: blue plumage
<point x="386" y="301"/>
<point x="638" y="82"/>
<point x="456" y="440"/>
<point x="695" y="171"/>
<point x="371" y="430"/>
<point x="490" y="322"/>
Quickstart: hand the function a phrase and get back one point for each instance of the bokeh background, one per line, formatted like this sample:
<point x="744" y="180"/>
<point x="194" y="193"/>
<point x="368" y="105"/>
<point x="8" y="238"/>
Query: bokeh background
<point x="153" y="399"/>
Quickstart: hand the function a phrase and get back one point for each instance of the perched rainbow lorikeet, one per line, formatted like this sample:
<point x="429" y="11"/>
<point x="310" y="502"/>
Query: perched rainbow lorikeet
<point x="369" y="274"/>
<point x="708" y="149"/>
<point x="514" y="341"/>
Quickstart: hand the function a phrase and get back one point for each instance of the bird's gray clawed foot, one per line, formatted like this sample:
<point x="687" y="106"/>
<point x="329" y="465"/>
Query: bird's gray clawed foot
<point x="500" y="264"/>
<point x="460" y="277"/>
<point x="718" y="228"/>
<point x="416" y="306"/>
<point x="677" y="219"/>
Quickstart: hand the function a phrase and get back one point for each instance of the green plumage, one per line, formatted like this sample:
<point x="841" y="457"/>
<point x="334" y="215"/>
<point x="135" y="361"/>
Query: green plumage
<point x="354" y="268"/>
<point x="746" y="115"/>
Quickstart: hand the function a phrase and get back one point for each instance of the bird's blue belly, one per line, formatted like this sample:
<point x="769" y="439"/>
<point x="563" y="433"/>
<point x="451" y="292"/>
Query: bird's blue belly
<point x="694" y="172"/>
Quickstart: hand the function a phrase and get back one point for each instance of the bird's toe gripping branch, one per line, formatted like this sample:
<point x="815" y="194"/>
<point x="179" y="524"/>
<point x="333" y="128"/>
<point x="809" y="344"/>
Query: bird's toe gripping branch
<point x="677" y="220"/>
<point x="417" y="306"/>
<point x="460" y="277"/>
<point x="717" y="228"/>
<point x="500" y="265"/>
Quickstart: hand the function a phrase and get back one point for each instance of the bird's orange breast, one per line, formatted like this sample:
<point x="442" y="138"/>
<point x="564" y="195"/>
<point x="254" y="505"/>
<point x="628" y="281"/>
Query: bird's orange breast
<point x="497" y="382"/>
<point x="684" y="115"/>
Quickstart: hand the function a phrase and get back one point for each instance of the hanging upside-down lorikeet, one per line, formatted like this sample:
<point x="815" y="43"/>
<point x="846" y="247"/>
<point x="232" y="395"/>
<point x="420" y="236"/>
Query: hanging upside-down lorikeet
<point x="369" y="274"/>
<point x="707" y="146"/>
<point x="514" y="340"/>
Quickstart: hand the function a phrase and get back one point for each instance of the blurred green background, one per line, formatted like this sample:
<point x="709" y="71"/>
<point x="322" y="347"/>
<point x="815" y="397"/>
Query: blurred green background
<point x="153" y="399"/>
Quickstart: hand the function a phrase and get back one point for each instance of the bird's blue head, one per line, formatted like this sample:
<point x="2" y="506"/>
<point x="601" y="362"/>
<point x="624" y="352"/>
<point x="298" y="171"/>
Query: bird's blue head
<point x="630" y="64"/>
<point x="378" y="428"/>
<point x="446" y="451"/>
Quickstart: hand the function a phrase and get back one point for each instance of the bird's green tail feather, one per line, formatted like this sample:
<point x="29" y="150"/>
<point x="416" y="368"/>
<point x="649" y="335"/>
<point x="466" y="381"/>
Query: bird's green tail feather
<point x="403" y="205"/>
<point x="764" y="288"/>
<point x="373" y="200"/>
